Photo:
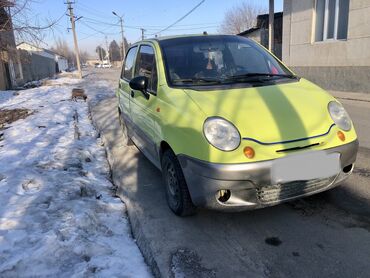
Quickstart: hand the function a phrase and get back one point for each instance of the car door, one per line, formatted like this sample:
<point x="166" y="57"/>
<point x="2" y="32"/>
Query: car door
<point x="124" y="91"/>
<point x="143" y="108"/>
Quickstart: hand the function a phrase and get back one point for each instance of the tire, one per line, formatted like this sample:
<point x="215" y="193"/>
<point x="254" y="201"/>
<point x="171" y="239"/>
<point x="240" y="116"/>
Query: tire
<point x="126" y="138"/>
<point x="177" y="193"/>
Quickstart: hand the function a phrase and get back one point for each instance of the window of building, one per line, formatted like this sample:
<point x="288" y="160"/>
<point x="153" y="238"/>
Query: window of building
<point x="331" y="19"/>
<point x="146" y="66"/>
<point x="129" y="64"/>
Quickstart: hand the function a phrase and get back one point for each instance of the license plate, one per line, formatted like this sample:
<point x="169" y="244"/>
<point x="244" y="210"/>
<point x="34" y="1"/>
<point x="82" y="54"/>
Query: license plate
<point x="305" y="166"/>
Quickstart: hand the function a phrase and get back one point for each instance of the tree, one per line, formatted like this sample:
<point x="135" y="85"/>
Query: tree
<point x="241" y="17"/>
<point x="84" y="56"/>
<point x="114" y="51"/>
<point x="18" y="16"/>
<point x="61" y="47"/>
<point x="101" y="52"/>
<point x="127" y="45"/>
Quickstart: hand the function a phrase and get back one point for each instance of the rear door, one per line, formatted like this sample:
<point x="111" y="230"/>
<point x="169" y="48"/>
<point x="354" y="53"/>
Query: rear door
<point x="143" y="109"/>
<point x="124" y="91"/>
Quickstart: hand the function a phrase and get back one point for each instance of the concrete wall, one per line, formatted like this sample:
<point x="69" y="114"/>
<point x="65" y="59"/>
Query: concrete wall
<point x="11" y="67"/>
<point x="339" y="64"/>
<point x="36" y="67"/>
<point x="62" y="63"/>
<point x="3" y="77"/>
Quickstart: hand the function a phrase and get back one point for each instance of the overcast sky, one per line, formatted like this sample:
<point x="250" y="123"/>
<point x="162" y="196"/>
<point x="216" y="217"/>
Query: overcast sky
<point x="97" y="18"/>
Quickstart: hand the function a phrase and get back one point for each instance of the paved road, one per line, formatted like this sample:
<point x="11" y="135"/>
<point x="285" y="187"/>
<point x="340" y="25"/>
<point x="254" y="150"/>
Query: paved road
<point x="326" y="235"/>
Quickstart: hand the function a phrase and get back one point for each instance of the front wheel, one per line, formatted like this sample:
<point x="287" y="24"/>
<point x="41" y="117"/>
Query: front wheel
<point x="126" y="138"/>
<point x="177" y="193"/>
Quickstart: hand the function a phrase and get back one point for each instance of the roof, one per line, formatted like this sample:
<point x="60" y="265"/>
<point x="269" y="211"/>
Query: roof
<point x="18" y="44"/>
<point x="41" y="49"/>
<point x="164" y="38"/>
<point x="53" y="53"/>
<point x="262" y="22"/>
<point x="251" y="30"/>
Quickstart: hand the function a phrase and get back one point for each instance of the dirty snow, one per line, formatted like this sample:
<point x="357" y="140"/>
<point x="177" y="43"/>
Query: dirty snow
<point x="58" y="213"/>
<point x="5" y="95"/>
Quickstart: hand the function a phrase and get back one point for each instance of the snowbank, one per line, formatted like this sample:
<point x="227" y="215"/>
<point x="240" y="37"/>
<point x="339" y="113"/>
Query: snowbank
<point x="58" y="215"/>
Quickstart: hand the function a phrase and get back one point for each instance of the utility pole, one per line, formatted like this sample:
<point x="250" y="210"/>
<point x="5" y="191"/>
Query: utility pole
<point x="142" y="33"/>
<point x="271" y="25"/>
<point x="107" y="46"/>
<point x="100" y="55"/>
<point x="77" y="52"/>
<point x="123" y="47"/>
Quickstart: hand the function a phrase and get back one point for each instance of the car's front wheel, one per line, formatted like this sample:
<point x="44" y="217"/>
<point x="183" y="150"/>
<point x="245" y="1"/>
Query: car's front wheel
<point x="177" y="193"/>
<point x="126" y="138"/>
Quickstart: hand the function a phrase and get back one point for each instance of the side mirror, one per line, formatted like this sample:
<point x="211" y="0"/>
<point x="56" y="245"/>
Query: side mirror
<point x="140" y="83"/>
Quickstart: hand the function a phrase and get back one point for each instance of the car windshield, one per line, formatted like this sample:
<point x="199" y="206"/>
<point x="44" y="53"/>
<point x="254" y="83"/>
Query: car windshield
<point x="213" y="60"/>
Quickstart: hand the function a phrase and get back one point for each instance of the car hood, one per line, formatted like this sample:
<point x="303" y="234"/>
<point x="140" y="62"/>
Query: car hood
<point x="270" y="114"/>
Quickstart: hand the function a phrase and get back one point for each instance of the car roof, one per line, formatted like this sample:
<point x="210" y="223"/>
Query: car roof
<point x="164" y="38"/>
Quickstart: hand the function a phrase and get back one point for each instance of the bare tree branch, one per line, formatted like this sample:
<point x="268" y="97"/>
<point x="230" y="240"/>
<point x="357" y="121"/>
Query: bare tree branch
<point x="24" y="22"/>
<point x="241" y="17"/>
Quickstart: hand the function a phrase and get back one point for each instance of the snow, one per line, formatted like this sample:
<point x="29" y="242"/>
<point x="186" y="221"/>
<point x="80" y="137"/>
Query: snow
<point x="5" y="95"/>
<point x="58" y="212"/>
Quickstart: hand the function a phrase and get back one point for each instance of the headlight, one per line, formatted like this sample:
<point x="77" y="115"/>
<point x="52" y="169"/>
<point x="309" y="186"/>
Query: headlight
<point x="221" y="134"/>
<point x="339" y="115"/>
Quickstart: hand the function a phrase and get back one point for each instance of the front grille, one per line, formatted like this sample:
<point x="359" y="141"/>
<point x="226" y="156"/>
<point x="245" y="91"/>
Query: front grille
<point x="281" y="192"/>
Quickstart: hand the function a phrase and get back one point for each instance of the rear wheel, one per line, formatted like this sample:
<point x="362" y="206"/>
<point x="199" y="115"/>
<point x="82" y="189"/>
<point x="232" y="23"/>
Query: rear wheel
<point x="177" y="193"/>
<point x="126" y="138"/>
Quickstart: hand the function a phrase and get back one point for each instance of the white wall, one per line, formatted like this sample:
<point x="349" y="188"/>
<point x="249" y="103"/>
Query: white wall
<point x="300" y="50"/>
<point x="62" y="63"/>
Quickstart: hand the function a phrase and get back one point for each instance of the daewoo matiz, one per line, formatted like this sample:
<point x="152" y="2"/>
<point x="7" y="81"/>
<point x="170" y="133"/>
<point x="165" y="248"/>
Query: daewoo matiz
<point x="229" y="125"/>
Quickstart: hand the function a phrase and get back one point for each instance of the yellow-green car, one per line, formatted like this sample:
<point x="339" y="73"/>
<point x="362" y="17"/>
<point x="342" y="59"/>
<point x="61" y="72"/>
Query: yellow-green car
<point x="229" y="125"/>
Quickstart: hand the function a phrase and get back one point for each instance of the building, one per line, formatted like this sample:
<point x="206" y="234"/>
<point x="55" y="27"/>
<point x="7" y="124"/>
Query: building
<point x="61" y="61"/>
<point x="328" y="42"/>
<point x="260" y="33"/>
<point x="37" y="63"/>
<point x="10" y="66"/>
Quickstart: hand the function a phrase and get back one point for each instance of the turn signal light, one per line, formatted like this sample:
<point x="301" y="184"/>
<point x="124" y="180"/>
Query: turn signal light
<point x="248" y="152"/>
<point x="341" y="136"/>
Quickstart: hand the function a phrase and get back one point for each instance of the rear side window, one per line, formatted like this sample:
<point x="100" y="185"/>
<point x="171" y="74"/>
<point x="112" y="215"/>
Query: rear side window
<point x="146" y="66"/>
<point x="127" y="70"/>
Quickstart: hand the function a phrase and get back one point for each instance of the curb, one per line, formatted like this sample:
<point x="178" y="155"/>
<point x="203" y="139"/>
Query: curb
<point x="136" y="230"/>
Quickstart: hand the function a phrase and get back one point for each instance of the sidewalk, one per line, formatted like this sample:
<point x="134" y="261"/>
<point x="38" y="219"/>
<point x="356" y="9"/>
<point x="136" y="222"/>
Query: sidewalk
<point x="351" y="95"/>
<point x="58" y="213"/>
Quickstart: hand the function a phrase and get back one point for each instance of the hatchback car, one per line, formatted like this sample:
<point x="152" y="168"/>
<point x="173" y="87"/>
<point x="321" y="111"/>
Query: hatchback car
<point x="229" y="125"/>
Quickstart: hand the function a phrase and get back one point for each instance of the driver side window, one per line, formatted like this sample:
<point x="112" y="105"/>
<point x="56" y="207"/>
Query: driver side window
<point x="129" y="64"/>
<point x="146" y="66"/>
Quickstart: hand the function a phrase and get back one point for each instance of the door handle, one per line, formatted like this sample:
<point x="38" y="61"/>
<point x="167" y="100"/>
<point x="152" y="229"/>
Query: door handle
<point x="132" y="93"/>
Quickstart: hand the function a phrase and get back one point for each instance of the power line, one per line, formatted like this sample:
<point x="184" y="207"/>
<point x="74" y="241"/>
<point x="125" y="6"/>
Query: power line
<point x="94" y="29"/>
<point x="103" y="31"/>
<point x="148" y="27"/>
<point x="92" y="10"/>
<point x="96" y="21"/>
<point x="99" y="32"/>
<point x="151" y="27"/>
<point x="181" y="18"/>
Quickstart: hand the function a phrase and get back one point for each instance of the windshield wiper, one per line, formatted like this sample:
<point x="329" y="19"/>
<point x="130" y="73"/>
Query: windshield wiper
<point x="261" y="74"/>
<point x="195" y="80"/>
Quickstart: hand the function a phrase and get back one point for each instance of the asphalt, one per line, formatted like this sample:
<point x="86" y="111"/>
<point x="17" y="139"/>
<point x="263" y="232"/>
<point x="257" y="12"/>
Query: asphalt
<point x="326" y="235"/>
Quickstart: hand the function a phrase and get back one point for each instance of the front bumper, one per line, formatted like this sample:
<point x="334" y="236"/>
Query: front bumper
<point x="250" y="183"/>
